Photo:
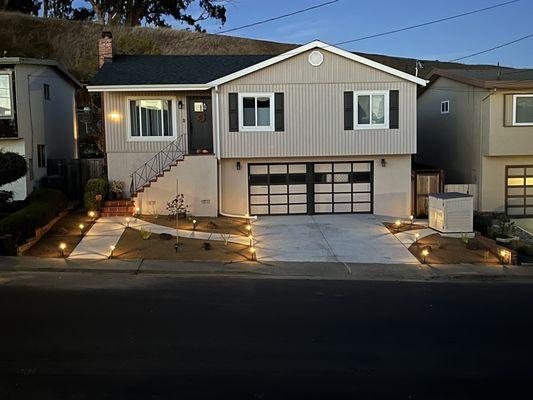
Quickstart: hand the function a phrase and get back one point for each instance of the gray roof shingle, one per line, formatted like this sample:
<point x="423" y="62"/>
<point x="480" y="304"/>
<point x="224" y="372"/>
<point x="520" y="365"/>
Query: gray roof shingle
<point x="183" y="69"/>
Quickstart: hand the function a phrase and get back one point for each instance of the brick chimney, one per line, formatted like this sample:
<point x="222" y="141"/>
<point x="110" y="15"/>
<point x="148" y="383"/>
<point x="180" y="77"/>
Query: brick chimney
<point x="105" y="48"/>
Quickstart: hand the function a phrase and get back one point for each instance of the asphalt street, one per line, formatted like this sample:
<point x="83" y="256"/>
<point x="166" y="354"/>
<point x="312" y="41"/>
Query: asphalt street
<point x="119" y="336"/>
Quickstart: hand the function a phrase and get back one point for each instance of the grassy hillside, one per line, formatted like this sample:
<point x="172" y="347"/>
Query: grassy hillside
<point x="74" y="44"/>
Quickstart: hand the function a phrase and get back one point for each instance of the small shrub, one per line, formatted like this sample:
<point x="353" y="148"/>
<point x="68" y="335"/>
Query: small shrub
<point x="95" y="186"/>
<point x="503" y="228"/>
<point x="6" y="197"/>
<point x="465" y="239"/>
<point x="12" y="167"/>
<point x="145" y="234"/>
<point x="177" y="206"/>
<point x="39" y="208"/>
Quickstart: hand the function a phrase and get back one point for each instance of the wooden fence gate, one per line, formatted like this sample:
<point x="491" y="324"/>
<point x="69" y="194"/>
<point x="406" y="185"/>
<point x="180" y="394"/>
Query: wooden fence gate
<point x="424" y="182"/>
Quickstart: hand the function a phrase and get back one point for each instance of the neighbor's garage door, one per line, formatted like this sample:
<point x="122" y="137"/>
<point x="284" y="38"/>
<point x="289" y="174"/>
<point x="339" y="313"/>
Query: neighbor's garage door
<point x="343" y="187"/>
<point x="325" y="187"/>
<point x="277" y="189"/>
<point x="519" y="190"/>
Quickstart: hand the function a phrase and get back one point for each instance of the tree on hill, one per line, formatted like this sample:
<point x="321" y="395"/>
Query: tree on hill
<point x="126" y="12"/>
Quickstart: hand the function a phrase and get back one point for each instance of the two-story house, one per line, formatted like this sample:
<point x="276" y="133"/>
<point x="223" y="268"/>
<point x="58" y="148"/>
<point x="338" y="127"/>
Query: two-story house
<point x="37" y="116"/>
<point x="478" y="126"/>
<point x="314" y="130"/>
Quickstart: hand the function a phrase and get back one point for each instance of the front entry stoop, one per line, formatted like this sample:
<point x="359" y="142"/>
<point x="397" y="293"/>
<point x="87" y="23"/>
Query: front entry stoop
<point x="118" y="208"/>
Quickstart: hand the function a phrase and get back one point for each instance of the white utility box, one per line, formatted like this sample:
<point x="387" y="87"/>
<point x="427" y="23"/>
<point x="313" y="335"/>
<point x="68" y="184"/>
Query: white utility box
<point x="451" y="212"/>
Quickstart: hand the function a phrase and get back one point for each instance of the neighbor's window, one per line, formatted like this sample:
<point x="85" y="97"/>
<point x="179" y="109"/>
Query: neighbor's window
<point x="41" y="156"/>
<point x="445" y="107"/>
<point x="371" y="110"/>
<point x="151" y="118"/>
<point x="46" y="91"/>
<point x="523" y="109"/>
<point x="256" y="112"/>
<point x="6" y="103"/>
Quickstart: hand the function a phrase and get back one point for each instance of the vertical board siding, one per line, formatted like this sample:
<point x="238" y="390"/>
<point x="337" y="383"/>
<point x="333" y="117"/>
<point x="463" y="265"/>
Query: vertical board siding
<point x="314" y="111"/>
<point x="116" y="132"/>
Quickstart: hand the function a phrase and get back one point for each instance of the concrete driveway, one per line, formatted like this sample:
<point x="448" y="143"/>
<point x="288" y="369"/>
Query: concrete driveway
<point x="350" y="238"/>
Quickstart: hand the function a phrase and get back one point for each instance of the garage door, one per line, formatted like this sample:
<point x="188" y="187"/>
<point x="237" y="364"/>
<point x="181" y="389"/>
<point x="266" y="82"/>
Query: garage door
<point x="325" y="187"/>
<point x="519" y="190"/>
<point x="343" y="187"/>
<point x="277" y="189"/>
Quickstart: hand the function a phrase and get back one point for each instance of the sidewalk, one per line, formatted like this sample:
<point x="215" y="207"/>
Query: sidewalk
<point x="280" y="270"/>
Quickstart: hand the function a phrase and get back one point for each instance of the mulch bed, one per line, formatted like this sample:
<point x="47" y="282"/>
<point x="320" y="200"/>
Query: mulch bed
<point x="447" y="250"/>
<point x="132" y="246"/>
<point x="66" y="230"/>
<point x="406" y="226"/>
<point x="234" y="226"/>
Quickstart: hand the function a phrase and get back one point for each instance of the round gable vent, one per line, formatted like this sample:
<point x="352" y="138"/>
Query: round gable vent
<point x="316" y="58"/>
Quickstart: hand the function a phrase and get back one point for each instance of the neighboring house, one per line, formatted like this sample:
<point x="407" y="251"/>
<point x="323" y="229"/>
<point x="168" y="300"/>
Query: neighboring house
<point x="37" y="116"/>
<point x="313" y="130"/>
<point x="478" y="126"/>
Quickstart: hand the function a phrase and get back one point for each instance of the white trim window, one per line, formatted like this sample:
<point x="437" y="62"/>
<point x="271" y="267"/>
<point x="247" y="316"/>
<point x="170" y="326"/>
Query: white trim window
<point x="256" y="111"/>
<point x="6" y="97"/>
<point x="151" y="119"/>
<point x="445" y="107"/>
<point x="371" y="110"/>
<point x="523" y="109"/>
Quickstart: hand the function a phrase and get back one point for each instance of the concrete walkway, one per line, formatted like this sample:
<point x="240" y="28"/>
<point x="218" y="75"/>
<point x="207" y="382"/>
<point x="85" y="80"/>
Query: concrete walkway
<point x="347" y="238"/>
<point x="106" y="232"/>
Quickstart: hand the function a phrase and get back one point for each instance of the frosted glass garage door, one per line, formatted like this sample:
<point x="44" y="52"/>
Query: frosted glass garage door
<point x="343" y="187"/>
<point x="277" y="189"/>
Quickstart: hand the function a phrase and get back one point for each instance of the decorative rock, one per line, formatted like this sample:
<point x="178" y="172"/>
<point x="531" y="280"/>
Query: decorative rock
<point x="165" y="236"/>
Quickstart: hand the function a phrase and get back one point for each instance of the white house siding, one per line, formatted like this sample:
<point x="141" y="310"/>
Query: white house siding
<point x="314" y="109"/>
<point x="392" y="184"/>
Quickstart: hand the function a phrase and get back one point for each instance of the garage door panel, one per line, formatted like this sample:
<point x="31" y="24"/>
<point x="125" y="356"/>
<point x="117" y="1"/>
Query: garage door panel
<point x="361" y="187"/>
<point x="342" y="187"/>
<point x="278" y="209"/>
<point x="322" y="187"/>
<point x="297" y="168"/>
<point x="278" y="169"/>
<point x="258" y="210"/>
<point x="323" y="167"/>
<point x="298" y="198"/>
<point x="297" y="188"/>
<point x="323" y="197"/>
<point x="278" y="199"/>
<point x="342" y="197"/>
<point x="342" y="207"/>
<point x="278" y="189"/>
<point x="258" y="169"/>
<point x="258" y="189"/>
<point x="298" y="209"/>
<point x="258" y="199"/>
<point x="344" y="167"/>
<point x="362" y="207"/>
<point x="324" y="208"/>
<point x="358" y="197"/>
<point x="362" y="167"/>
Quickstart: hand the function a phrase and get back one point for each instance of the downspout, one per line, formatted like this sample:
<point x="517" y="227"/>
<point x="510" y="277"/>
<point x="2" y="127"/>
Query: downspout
<point x="480" y="171"/>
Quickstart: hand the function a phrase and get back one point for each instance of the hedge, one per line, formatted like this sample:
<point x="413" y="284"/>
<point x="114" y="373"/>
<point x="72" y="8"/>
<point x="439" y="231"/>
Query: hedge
<point x="39" y="208"/>
<point x="94" y="187"/>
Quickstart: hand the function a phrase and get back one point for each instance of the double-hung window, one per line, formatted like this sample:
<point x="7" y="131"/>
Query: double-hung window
<point x="371" y="110"/>
<point x="6" y="96"/>
<point x="256" y="111"/>
<point x="523" y="109"/>
<point x="151" y="119"/>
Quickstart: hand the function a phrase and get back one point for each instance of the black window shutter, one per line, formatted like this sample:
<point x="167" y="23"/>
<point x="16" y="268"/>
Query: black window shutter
<point x="233" y="112"/>
<point x="279" y="112"/>
<point x="394" y="109"/>
<point x="348" y="111"/>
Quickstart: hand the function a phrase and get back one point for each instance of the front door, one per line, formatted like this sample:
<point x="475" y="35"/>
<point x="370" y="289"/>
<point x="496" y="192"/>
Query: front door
<point x="200" y="125"/>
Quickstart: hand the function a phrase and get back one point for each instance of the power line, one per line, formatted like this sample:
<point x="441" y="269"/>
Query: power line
<point x="493" y="48"/>
<point x="278" y="17"/>
<point x="303" y="10"/>
<point x="426" y="23"/>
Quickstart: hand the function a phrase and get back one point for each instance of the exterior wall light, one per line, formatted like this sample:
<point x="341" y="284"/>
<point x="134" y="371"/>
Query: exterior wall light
<point x="115" y="116"/>
<point x="383" y="162"/>
<point x="238" y="165"/>
<point x="180" y="104"/>
<point x="62" y="247"/>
